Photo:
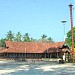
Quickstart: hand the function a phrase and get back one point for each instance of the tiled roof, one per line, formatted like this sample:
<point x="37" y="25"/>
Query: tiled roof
<point x="2" y="49"/>
<point x="31" y="47"/>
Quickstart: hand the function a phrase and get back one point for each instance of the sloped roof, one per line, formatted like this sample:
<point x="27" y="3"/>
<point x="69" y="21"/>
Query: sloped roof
<point x="2" y="49"/>
<point x="31" y="47"/>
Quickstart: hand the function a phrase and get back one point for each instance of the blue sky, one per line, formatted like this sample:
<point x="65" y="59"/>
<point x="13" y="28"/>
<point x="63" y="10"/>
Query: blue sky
<point x="35" y="17"/>
<point x="74" y="12"/>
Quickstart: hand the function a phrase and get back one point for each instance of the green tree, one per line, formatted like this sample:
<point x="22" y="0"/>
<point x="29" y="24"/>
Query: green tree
<point x="18" y="37"/>
<point x="43" y="38"/>
<point x="50" y="40"/>
<point x="33" y="40"/>
<point x="10" y="36"/>
<point x="69" y="38"/>
<point x="26" y="38"/>
<point x="2" y="42"/>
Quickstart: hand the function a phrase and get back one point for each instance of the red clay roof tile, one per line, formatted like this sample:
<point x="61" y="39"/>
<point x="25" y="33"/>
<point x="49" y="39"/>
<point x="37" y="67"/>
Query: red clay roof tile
<point x="31" y="47"/>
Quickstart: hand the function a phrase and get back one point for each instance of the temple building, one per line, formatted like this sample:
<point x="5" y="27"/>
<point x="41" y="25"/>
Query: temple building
<point x="31" y="50"/>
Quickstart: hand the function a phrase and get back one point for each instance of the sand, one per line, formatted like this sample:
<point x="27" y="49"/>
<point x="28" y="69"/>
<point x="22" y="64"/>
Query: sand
<point x="10" y="70"/>
<point x="52" y="67"/>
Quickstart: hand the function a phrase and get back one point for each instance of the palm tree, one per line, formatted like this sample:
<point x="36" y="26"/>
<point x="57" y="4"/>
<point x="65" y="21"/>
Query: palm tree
<point x="33" y="40"/>
<point x="50" y="40"/>
<point x="18" y="37"/>
<point x="26" y="38"/>
<point x="43" y="38"/>
<point x="10" y="36"/>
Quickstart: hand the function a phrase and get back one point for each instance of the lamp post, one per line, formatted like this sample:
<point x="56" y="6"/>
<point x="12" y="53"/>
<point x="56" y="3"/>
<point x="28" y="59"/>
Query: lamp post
<point x="64" y="21"/>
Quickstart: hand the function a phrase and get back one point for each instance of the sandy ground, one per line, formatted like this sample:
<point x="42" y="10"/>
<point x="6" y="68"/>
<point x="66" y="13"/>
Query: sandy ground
<point x="45" y="67"/>
<point x="10" y="70"/>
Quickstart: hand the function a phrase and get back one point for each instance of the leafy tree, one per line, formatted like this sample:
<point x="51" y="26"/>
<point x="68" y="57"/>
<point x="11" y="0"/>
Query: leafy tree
<point x="10" y="36"/>
<point x="18" y="37"/>
<point x="2" y="42"/>
<point x="26" y="38"/>
<point x="50" y="40"/>
<point x="33" y="40"/>
<point x="43" y="38"/>
<point x="69" y="38"/>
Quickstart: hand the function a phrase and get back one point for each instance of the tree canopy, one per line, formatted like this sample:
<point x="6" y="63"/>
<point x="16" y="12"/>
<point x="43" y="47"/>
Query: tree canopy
<point x="69" y="38"/>
<point x="2" y="42"/>
<point x="23" y="38"/>
<point x="18" y="37"/>
<point x="26" y="38"/>
<point x="10" y="36"/>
